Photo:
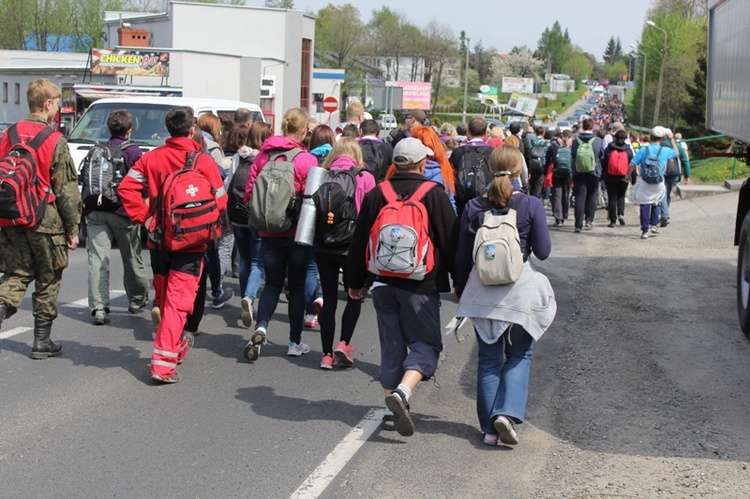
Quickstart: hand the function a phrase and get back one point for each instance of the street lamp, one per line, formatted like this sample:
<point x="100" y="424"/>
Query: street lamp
<point x="466" y="77"/>
<point x="661" y="69"/>
<point x="643" y="83"/>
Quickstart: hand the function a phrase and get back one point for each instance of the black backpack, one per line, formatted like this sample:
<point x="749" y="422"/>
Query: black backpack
<point x="237" y="210"/>
<point x="336" y="209"/>
<point x="372" y="156"/>
<point x="538" y="156"/>
<point x="102" y="172"/>
<point x="473" y="173"/>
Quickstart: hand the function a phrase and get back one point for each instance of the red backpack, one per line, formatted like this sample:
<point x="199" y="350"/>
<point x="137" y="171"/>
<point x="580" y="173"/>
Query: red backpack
<point x="400" y="244"/>
<point x="23" y="198"/>
<point x="186" y="214"/>
<point x="618" y="163"/>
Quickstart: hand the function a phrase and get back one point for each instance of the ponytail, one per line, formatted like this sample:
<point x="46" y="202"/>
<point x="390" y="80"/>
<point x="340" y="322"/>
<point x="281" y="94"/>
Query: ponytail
<point x="506" y="162"/>
<point x="501" y="189"/>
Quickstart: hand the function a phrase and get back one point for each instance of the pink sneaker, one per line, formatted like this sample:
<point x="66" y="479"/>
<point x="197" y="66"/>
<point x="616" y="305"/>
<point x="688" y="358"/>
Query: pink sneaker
<point x="311" y="320"/>
<point x="318" y="305"/>
<point x="344" y="353"/>
<point x="327" y="362"/>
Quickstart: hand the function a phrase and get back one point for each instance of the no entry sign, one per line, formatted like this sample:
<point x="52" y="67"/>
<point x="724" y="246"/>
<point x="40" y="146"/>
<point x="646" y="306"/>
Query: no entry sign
<point x="330" y="104"/>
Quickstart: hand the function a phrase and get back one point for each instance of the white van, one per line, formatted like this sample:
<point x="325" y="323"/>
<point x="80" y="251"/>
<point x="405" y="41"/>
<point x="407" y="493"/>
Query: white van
<point x="149" y="129"/>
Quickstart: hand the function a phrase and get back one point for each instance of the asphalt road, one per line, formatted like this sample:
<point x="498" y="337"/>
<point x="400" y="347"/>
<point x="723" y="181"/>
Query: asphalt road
<point x="91" y="423"/>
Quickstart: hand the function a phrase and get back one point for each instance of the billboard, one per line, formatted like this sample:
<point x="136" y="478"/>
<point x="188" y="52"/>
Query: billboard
<point x="129" y="62"/>
<point x="520" y="85"/>
<point x="488" y="95"/>
<point x="526" y="105"/>
<point x="417" y="94"/>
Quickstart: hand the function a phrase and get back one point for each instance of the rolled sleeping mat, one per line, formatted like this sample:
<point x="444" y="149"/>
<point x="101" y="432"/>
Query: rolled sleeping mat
<point x="306" y="223"/>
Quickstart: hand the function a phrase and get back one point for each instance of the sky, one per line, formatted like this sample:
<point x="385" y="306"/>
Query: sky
<point x="590" y="23"/>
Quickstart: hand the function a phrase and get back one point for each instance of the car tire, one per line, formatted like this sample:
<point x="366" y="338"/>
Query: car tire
<point x="743" y="277"/>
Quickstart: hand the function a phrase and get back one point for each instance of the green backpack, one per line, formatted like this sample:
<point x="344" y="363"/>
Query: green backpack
<point x="273" y="201"/>
<point x="585" y="159"/>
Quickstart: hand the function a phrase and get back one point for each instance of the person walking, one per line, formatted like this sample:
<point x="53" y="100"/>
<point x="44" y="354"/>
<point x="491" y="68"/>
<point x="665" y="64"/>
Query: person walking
<point x="108" y="222"/>
<point x="586" y="154"/>
<point x="617" y="156"/>
<point x="281" y="255"/>
<point x="408" y="310"/>
<point x="176" y="273"/>
<point x="508" y="318"/>
<point x="346" y="155"/>
<point x="671" y="181"/>
<point x="40" y="253"/>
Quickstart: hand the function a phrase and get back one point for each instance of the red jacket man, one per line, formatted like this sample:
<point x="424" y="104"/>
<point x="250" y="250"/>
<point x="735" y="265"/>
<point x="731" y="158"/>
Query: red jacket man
<point x="176" y="274"/>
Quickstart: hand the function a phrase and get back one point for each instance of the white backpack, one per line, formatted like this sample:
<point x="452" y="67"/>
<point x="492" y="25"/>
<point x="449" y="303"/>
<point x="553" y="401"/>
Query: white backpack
<point x="497" y="254"/>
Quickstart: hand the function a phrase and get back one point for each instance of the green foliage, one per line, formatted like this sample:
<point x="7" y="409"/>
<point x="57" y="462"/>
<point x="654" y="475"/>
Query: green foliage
<point x="278" y="4"/>
<point x="716" y="170"/>
<point x="577" y="67"/>
<point x="555" y="45"/>
<point x="338" y="35"/>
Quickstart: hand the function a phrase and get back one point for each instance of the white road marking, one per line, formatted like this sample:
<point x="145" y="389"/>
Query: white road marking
<point x="13" y="332"/>
<point x="324" y="474"/>
<point x="84" y="302"/>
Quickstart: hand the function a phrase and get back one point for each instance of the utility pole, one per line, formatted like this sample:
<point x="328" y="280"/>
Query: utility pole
<point x="643" y="85"/>
<point x="661" y="70"/>
<point x="466" y="77"/>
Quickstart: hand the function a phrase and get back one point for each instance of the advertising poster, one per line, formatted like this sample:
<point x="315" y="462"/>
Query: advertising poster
<point x="526" y="105"/>
<point x="488" y="94"/>
<point x="520" y="85"/>
<point x="130" y="62"/>
<point x="417" y="95"/>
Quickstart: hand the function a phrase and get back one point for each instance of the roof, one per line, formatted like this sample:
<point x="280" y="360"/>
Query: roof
<point x="193" y="102"/>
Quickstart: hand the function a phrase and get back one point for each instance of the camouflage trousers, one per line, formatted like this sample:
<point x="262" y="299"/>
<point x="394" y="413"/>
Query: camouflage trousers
<point x="27" y="256"/>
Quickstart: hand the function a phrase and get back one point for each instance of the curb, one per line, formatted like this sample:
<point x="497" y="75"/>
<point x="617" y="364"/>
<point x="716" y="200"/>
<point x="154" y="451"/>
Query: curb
<point x="700" y="190"/>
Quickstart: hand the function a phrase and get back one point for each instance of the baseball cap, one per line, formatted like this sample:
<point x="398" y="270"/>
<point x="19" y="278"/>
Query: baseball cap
<point x="659" y="132"/>
<point x="410" y="151"/>
<point x="418" y="115"/>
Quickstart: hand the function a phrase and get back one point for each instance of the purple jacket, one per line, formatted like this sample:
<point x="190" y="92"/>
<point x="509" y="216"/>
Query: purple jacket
<point x="531" y="221"/>
<point x="129" y="155"/>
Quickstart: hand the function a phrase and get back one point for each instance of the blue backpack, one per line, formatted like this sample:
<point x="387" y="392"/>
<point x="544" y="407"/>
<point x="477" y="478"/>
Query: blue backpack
<point x="651" y="168"/>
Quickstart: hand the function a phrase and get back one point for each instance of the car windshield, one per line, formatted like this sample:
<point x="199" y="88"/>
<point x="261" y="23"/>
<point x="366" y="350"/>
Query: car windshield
<point x="148" y="123"/>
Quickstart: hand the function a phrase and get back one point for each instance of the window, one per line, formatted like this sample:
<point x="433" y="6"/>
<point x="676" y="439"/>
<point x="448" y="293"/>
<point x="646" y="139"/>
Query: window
<point x="5" y="91"/>
<point x="304" y="94"/>
<point x="18" y="93"/>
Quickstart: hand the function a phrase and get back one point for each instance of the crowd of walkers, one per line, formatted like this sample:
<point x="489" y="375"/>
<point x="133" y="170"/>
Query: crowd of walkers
<point x="401" y="218"/>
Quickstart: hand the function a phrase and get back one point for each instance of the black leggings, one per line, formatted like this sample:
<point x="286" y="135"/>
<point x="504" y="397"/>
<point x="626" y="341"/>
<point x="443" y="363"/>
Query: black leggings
<point x="328" y="270"/>
<point x="616" y="190"/>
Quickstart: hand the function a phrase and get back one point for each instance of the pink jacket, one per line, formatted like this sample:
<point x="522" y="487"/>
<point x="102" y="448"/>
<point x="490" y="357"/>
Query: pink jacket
<point x="365" y="180"/>
<point x="302" y="163"/>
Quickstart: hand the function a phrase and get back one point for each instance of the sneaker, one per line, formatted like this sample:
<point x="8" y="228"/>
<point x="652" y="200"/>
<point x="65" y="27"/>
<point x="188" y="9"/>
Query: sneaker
<point x="259" y="336"/>
<point x="135" y="308"/>
<point x="100" y="317"/>
<point x="621" y="219"/>
<point x="506" y="431"/>
<point x="654" y="229"/>
<point x="644" y="235"/>
<point x="174" y="378"/>
<point x="397" y="404"/>
<point x="311" y="320"/>
<point x="327" y="362"/>
<point x="664" y="222"/>
<point x="611" y="225"/>
<point x="251" y="351"/>
<point x="588" y="226"/>
<point x="558" y="223"/>
<point x="155" y="317"/>
<point x="318" y="305"/>
<point x="223" y="297"/>
<point x="577" y="230"/>
<point x="389" y="422"/>
<point x="190" y="337"/>
<point x="344" y="353"/>
<point x="489" y="439"/>
<point x="247" y="312"/>
<point x="298" y="349"/>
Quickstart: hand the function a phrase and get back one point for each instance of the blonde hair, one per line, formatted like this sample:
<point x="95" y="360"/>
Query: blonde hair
<point x="210" y="123"/>
<point x="345" y="146"/>
<point x="295" y="122"/>
<point x="512" y="140"/>
<point x="497" y="132"/>
<point x="39" y="91"/>
<point x="504" y="159"/>
<point x="354" y="111"/>
<point x="448" y="129"/>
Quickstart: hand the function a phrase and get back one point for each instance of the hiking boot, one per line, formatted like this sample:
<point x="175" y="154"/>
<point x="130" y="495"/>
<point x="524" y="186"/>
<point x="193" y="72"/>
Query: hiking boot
<point x="327" y="362"/>
<point x="155" y="317"/>
<point x="397" y="404"/>
<point x="298" y="349"/>
<point x="247" y="312"/>
<point x="166" y="380"/>
<point x="135" y="308"/>
<point x="100" y="317"/>
<point x="506" y="431"/>
<point x="44" y="347"/>
<point x="621" y="219"/>
<point x="311" y="320"/>
<point x="644" y="234"/>
<point x="223" y="297"/>
<point x="344" y="353"/>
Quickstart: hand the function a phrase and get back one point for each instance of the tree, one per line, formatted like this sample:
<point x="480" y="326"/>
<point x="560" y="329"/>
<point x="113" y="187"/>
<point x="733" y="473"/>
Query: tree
<point x="520" y="63"/>
<point x="613" y="52"/>
<point x="577" y="67"/>
<point x="441" y="48"/>
<point x="481" y="60"/>
<point x="386" y="38"/>
<point x="338" y="35"/>
<point x="555" y="47"/>
<point x="279" y="4"/>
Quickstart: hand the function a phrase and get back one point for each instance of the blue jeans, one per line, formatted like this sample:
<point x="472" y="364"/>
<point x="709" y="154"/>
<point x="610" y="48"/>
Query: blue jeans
<point x="251" y="261"/>
<point x="669" y="182"/>
<point x="282" y="256"/>
<point x="503" y="377"/>
<point x="312" y="290"/>
<point x="650" y="216"/>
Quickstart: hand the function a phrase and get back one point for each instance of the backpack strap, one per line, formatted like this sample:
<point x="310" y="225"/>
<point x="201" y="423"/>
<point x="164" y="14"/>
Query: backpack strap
<point x="423" y="189"/>
<point x="386" y="188"/>
<point x="190" y="160"/>
<point x="127" y="144"/>
<point x="287" y="154"/>
<point x="34" y="143"/>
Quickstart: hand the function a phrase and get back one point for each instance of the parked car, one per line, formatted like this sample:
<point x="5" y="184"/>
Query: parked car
<point x="387" y="122"/>
<point x="563" y="125"/>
